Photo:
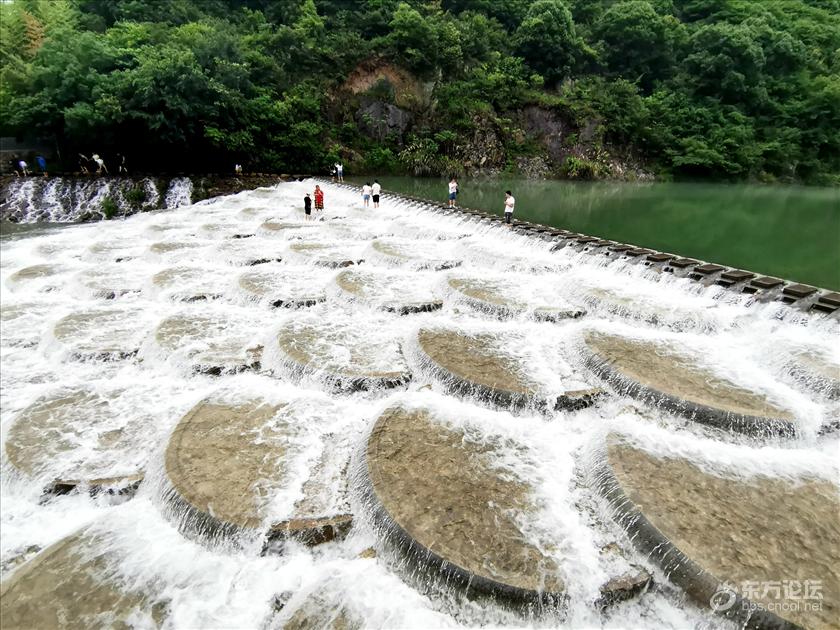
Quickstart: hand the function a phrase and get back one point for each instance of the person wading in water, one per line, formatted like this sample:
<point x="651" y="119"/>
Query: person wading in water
<point x="319" y="198"/>
<point x="307" y="207"/>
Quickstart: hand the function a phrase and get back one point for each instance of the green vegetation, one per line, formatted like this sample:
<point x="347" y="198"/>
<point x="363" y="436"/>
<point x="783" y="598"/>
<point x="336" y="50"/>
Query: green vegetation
<point x="109" y="208"/>
<point x="724" y="89"/>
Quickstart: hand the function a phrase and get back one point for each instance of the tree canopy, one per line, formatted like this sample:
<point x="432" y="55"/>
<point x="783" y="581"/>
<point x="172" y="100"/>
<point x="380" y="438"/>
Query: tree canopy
<point x="731" y="89"/>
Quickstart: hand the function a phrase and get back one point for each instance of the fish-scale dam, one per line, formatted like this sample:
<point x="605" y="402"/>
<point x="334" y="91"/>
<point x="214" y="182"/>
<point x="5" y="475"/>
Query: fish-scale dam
<point x="226" y="416"/>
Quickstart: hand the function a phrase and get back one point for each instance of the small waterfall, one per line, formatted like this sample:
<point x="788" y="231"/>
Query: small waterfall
<point x="82" y="199"/>
<point x="179" y="193"/>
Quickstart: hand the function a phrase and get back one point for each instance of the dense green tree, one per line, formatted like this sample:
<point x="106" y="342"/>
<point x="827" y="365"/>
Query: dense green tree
<point x="699" y="88"/>
<point x="547" y="40"/>
<point x="637" y="43"/>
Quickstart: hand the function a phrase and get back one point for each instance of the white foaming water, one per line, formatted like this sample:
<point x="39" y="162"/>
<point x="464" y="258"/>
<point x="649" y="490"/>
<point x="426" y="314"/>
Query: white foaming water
<point x="63" y="199"/>
<point x="153" y="264"/>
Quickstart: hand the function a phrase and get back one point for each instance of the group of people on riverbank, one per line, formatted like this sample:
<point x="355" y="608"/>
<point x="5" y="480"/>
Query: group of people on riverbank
<point x="93" y="165"/>
<point x="20" y="167"/>
<point x="96" y="165"/>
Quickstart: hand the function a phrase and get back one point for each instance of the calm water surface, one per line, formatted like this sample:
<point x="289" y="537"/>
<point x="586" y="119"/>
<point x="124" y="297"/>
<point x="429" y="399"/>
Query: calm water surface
<point x="788" y="231"/>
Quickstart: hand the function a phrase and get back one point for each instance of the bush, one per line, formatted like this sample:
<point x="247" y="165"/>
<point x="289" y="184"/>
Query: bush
<point x="109" y="208"/>
<point x="136" y="195"/>
<point x="581" y="168"/>
<point x="381" y="160"/>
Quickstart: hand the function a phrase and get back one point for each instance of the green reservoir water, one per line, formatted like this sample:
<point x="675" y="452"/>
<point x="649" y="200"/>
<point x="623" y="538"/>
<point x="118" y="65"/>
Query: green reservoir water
<point x="788" y="231"/>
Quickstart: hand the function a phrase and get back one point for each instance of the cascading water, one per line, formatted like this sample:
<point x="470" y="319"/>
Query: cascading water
<point x="69" y="199"/>
<point x="179" y="193"/>
<point x="227" y="360"/>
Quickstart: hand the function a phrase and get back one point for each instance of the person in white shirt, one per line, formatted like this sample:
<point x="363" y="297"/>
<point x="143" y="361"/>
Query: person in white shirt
<point x="375" y="190"/>
<point x="509" y="203"/>
<point x="366" y="194"/>
<point x="339" y="171"/>
<point x="453" y="192"/>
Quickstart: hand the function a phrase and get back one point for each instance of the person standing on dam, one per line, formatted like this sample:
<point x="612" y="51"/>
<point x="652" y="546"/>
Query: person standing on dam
<point x="375" y="190"/>
<point x="453" y="192"/>
<point x="509" y="203"/>
<point x="366" y="194"/>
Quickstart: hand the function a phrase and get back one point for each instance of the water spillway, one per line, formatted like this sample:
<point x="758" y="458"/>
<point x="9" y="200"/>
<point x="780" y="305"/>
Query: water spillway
<point x="225" y="415"/>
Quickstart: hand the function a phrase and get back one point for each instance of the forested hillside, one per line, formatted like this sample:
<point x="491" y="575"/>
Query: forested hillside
<point x="724" y="89"/>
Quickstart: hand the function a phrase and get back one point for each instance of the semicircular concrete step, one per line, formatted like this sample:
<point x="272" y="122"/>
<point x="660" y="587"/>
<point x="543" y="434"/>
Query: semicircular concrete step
<point x="110" y="281"/>
<point x="192" y="284"/>
<point x="41" y="277"/>
<point x="660" y="375"/>
<point x="330" y="255"/>
<point x="351" y="356"/>
<point x="441" y="500"/>
<point x="211" y="343"/>
<point x="737" y="544"/>
<point x="71" y="585"/>
<point x="394" y="293"/>
<point x="79" y="436"/>
<point x="103" y="334"/>
<point x="505" y="298"/>
<point x="221" y="462"/>
<point x="647" y="304"/>
<point x="483" y="365"/>
<point x="817" y="371"/>
<point x="415" y="254"/>
<point x="288" y="288"/>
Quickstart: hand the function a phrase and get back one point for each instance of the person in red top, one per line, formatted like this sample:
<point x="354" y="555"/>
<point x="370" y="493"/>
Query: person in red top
<point x="319" y="198"/>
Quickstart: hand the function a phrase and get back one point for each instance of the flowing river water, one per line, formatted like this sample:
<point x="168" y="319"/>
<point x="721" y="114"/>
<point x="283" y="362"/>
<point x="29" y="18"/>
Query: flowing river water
<point x="211" y="371"/>
<point x="792" y="232"/>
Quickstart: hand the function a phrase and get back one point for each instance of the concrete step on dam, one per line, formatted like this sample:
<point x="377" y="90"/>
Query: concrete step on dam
<point x="229" y="415"/>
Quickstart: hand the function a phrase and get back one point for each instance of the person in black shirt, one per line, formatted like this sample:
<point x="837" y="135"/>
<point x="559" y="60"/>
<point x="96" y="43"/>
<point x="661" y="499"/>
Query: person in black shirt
<point x="307" y="206"/>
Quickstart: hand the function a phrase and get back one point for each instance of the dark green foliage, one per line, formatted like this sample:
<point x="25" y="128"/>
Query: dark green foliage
<point x="736" y="89"/>
<point x="136" y="196"/>
<point x="109" y="208"/>
<point x="547" y="40"/>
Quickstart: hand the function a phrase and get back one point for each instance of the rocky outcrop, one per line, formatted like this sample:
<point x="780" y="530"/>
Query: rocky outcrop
<point x="379" y="75"/>
<point x="383" y="121"/>
<point x="549" y="128"/>
<point x="483" y="153"/>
